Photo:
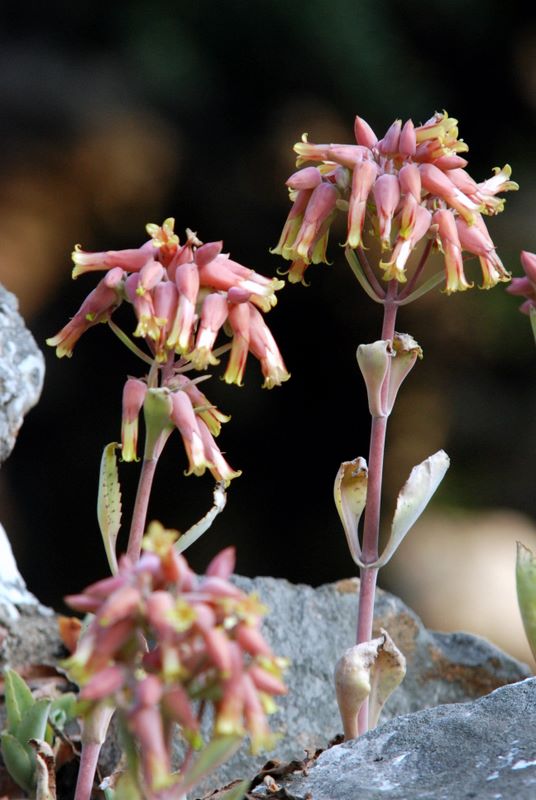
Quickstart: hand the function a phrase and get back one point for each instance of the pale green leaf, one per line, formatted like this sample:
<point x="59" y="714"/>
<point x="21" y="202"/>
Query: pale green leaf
<point x="526" y="592"/>
<point x="197" y="530"/>
<point x="18" y="698"/>
<point x="413" y="499"/>
<point x="350" y="495"/>
<point x="109" y="503"/>
<point x="33" y="722"/>
<point x="238" y="792"/>
<point x="215" y="753"/>
<point x="19" y="763"/>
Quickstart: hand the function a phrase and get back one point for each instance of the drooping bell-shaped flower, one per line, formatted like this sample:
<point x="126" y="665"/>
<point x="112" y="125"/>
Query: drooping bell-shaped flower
<point x="97" y="307"/>
<point x="134" y="393"/>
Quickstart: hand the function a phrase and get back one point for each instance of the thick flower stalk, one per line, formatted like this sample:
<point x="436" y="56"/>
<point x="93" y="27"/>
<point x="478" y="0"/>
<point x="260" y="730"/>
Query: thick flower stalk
<point x="404" y="197"/>
<point x="163" y="643"/>
<point x="183" y="297"/>
<point x="409" y="190"/>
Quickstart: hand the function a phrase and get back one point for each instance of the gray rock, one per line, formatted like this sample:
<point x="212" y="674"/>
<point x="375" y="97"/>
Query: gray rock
<point x="22" y="369"/>
<point x="484" y="750"/>
<point x="313" y="627"/>
<point x="14" y="595"/>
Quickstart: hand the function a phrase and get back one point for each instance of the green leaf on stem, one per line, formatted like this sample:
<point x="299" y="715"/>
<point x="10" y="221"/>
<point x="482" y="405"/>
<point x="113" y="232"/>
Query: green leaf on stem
<point x="197" y="530"/>
<point x="413" y="499"/>
<point x="33" y="723"/>
<point x="526" y="592"/>
<point x="18" y="761"/>
<point x="350" y="495"/>
<point x="19" y="699"/>
<point x="215" y="753"/>
<point x="109" y="503"/>
<point x="237" y="792"/>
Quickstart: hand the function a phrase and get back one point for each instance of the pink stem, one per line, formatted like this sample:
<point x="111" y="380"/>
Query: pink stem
<point x="141" y="504"/>
<point x="371" y="528"/>
<point x="418" y="270"/>
<point x="86" y="772"/>
<point x="372" y="279"/>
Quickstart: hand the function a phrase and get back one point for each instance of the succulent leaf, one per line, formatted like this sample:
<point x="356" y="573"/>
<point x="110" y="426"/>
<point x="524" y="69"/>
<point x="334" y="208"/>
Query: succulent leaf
<point x="18" y="698"/>
<point x="350" y="495"/>
<point x="109" y="503"/>
<point x="413" y="499"/>
<point x="18" y="762"/>
<point x="526" y="592"/>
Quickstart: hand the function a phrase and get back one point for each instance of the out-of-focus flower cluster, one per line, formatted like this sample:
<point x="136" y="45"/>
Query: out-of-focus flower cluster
<point x="403" y="188"/>
<point x="182" y="296"/>
<point x="526" y="286"/>
<point x="164" y="642"/>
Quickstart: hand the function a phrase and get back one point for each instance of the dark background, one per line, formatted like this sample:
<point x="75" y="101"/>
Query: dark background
<point x="111" y="120"/>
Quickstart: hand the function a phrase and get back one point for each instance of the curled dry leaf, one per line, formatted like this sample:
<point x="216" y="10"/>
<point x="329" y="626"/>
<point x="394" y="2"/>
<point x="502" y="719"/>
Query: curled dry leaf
<point x="368" y="670"/>
<point x="350" y="495"/>
<point x="413" y="499"/>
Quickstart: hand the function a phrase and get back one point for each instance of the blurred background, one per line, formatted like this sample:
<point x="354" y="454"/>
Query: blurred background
<point x="190" y="109"/>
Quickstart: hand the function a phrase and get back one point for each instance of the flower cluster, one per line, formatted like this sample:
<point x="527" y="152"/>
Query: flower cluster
<point x="526" y="286"/>
<point x="164" y="642"/>
<point x="182" y="296"/>
<point x="178" y="404"/>
<point x="411" y="184"/>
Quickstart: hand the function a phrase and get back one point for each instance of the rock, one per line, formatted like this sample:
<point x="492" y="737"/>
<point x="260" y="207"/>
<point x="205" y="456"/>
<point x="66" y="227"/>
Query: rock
<point x="482" y="750"/>
<point x="313" y="627"/>
<point x="28" y="630"/>
<point x="22" y="369"/>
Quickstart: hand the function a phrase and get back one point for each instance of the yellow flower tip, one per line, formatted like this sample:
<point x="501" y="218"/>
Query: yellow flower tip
<point x="392" y="272"/>
<point x="158" y="539"/>
<point x="275" y="379"/>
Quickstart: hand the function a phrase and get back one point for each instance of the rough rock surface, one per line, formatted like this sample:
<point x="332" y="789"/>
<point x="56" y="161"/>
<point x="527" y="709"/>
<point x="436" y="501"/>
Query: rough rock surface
<point x="484" y="750"/>
<point x="313" y="627"/>
<point x="22" y="370"/>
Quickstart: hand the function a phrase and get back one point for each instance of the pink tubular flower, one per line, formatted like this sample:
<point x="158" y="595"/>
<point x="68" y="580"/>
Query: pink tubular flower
<point x="476" y="240"/>
<point x="372" y="182"/>
<point x="198" y="651"/>
<point x="97" y="307"/>
<point x="217" y="465"/>
<point x="386" y="192"/>
<point x="134" y="393"/>
<point x="526" y="286"/>
<point x="187" y="282"/>
<point x="364" y="177"/>
<point x="239" y="321"/>
<point x="262" y="345"/>
<point x="128" y="260"/>
<point x="319" y="209"/>
<point x="214" y="312"/>
<point x="449" y="242"/>
<point x="183" y="416"/>
<point x="210" y="415"/>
